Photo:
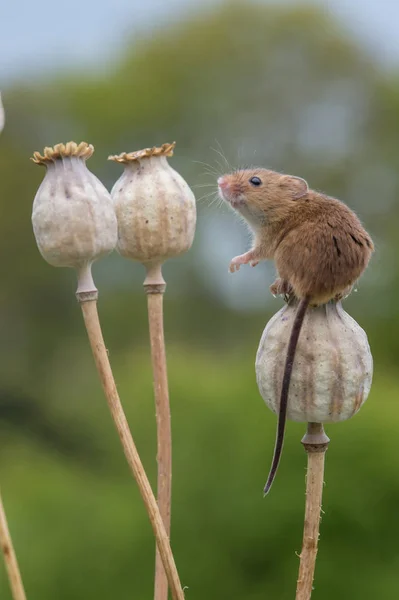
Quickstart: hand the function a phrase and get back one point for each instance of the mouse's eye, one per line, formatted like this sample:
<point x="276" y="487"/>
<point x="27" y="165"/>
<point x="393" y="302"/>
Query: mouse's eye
<point x="255" y="181"/>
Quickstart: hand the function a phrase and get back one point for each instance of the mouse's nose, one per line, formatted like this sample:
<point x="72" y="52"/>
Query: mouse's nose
<point x="222" y="183"/>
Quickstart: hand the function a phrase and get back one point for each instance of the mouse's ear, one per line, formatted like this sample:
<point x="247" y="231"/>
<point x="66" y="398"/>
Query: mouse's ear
<point x="296" y="185"/>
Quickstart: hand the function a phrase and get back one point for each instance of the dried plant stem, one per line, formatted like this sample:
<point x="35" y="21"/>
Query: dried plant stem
<point x="10" y="559"/>
<point x="316" y="443"/>
<point x="154" y="286"/>
<point x="91" y="319"/>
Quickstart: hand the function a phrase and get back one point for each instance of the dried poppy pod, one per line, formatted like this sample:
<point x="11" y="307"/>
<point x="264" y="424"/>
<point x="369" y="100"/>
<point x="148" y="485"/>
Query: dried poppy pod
<point x="333" y="366"/>
<point x="155" y="207"/>
<point x="73" y="215"/>
<point x="156" y="215"/>
<point x="74" y="223"/>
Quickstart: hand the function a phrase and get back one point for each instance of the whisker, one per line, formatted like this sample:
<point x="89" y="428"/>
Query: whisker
<point x="213" y="175"/>
<point x="220" y="166"/>
<point x="216" y="200"/>
<point x="222" y="154"/>
<point x="202" y="185"/>
<point x="210" y="168"/>
<point x="208" y="195"/>
<point x="210" y="198"/>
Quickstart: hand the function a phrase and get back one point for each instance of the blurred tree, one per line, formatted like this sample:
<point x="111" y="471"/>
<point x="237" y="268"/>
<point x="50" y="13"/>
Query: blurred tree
<point x="281" y="86"/>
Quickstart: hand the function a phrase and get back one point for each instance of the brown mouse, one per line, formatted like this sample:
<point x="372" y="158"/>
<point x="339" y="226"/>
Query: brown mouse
<point x="318" y="244"/>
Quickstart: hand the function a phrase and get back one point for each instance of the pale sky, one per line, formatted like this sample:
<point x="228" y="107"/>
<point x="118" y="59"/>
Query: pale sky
<point x="36" y="37"/>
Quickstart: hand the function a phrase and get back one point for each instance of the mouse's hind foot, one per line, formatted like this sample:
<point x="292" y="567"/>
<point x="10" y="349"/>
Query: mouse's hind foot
<point x="281" y="287"/>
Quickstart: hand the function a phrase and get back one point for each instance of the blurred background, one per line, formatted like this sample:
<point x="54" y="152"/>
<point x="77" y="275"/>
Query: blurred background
<point x="309" y="89"/>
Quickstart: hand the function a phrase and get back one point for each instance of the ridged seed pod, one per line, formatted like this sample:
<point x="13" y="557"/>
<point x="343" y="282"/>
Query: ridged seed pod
<point x="156" y="215"/>
<point x="333" y="366"/>
<point x="155" y="207"/>
<point x="73" y="216"/>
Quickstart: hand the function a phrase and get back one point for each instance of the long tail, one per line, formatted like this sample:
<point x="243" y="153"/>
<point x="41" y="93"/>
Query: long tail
<point x="289" y="362"/>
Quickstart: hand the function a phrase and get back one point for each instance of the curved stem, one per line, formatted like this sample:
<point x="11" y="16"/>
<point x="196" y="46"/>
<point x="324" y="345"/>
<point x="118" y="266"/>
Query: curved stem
<point x="91" y="319"/>
<point x="10" y="559"/>
<point x="316" y="443"/>
<point x="154" y="286"/>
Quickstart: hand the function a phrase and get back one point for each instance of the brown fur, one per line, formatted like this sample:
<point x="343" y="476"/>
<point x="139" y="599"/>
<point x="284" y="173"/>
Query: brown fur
<point x="318" y="244"/>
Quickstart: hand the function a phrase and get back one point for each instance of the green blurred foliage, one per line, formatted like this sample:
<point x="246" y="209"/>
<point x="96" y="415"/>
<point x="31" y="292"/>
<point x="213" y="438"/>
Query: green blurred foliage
<point x="282" y="87"/>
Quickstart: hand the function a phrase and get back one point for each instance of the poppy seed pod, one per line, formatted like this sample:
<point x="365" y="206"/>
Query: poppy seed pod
<point x="154" y="206"/>
<point x="73" y="216"/>
<point x="332" y="372"/>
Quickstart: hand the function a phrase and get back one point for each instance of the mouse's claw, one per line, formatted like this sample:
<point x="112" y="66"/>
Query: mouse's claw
<point x="234" y="265"/>
<point x="281" y="287"/>
<point x="344" y="294"/>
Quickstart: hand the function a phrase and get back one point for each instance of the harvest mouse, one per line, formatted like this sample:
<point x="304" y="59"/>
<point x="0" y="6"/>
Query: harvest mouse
<point x="318" y="244"/>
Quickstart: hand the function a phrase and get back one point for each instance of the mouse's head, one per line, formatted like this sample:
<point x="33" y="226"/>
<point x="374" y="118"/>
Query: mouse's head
<point x="256" y="192"/>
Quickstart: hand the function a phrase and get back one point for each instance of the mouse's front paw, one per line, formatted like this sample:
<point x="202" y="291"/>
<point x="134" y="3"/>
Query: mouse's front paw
<point x="235" y="264"/>
<point x="243" y="259"/>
